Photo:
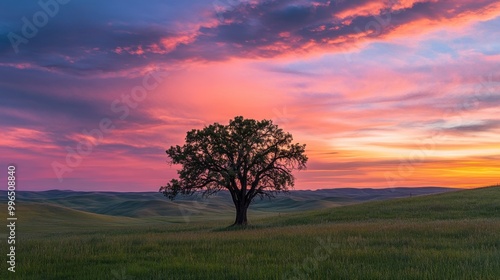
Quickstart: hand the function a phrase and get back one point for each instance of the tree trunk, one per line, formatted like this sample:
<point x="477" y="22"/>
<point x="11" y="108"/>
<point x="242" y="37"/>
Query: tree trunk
<point x="241" y="215"/>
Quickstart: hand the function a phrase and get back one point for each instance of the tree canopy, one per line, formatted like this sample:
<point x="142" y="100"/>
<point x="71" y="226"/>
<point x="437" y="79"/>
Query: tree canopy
<point x="248" y="158"/>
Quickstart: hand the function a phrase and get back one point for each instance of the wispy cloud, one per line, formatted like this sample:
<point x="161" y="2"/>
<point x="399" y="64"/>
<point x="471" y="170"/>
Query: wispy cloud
<point x="363" y="83"/>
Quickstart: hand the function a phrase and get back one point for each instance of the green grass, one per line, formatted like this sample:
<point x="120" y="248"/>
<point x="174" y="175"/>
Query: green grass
<point x="453" y="235"/>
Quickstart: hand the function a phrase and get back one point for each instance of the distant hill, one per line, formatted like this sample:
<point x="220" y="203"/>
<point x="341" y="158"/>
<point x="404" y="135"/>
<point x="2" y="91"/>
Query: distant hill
<point x="152" y="204"/>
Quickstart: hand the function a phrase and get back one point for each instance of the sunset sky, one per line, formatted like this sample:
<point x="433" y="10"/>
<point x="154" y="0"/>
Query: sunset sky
<point x="384" y="93"/>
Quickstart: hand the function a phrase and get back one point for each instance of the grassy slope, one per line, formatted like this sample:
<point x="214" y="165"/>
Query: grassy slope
<point x="446" y="236"/>
<point x="465" y="204"/>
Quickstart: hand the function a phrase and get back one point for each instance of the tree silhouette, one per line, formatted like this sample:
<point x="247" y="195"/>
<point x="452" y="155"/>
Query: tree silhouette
<point x="248" y="158"/>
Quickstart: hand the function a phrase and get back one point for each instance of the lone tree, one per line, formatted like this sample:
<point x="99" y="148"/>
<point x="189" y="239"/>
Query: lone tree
<point x="248" y="158"/>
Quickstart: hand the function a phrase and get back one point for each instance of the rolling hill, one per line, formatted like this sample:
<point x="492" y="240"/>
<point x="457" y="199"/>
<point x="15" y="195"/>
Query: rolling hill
<point x="452" y="235"/>
<point x="150" y="204"/>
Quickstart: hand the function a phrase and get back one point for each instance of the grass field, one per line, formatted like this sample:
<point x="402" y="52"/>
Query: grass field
<point x="454" y="235"/>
